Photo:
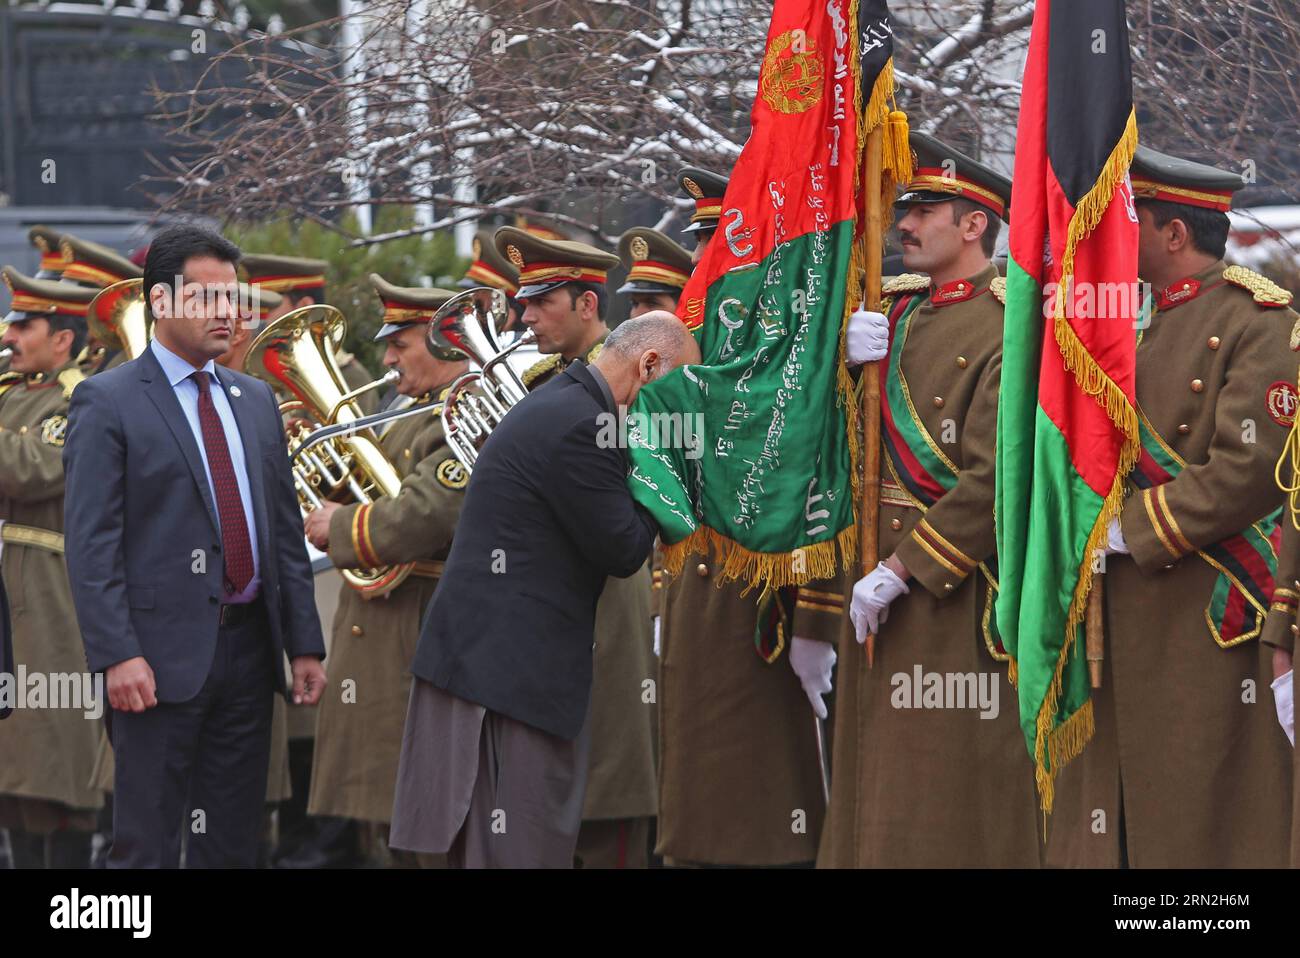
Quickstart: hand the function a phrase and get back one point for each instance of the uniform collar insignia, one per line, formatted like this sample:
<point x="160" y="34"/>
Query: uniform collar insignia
<point x="1178" y="293"/>
<point x="958" y="291"/>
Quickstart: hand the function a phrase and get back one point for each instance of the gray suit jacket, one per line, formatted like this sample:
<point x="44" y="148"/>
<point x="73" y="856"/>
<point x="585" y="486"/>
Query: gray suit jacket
<point x="141" y="533"/>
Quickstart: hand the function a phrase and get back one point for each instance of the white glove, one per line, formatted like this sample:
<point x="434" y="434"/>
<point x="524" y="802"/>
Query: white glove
<point x="868" y="338"/>
<point x="1115" y="543"/>
<point x="812" y="662"/>
<point x="1283" y="699"/>
<point x="656" y="618"/>
<point x="871" y="597"/>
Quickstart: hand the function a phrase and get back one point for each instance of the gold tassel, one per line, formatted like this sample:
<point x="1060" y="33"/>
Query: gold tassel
<point x="898" y="150"/>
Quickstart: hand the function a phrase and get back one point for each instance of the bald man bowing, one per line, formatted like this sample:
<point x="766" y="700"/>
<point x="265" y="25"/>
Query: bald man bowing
<point x="494" y="754"/>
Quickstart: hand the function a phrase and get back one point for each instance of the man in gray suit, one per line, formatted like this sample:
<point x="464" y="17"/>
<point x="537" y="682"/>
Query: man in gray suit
<point x="190" y="574"/>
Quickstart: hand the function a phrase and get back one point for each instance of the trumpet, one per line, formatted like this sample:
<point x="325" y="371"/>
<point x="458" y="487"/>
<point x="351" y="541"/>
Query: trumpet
<point x="296" y="354"/>
<point x="477" y="401"/>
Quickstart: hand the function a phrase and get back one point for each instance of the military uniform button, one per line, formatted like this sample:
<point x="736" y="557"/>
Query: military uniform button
<point x="1213" y="342"/>
<point x="895" y="524"/>
<point x="1295" y="629"/>
<point x="961" y="362"/>
<point x="406" y="453"/>
<point x="1184" y="429"/>
<point x="948" y="587"/>
<point x="1197" y="385"/>
<point x="1297" y="583"/>
<point x="702" y="570"/>
<point x="938" y="402"/>
<point x="22" y="430"/>
<point x="356" y="630"/>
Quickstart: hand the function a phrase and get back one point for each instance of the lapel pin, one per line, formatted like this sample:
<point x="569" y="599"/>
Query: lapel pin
<point x="234" y="391"/>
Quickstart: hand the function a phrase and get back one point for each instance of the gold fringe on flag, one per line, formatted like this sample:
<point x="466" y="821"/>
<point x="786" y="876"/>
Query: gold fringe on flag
<point x="766" y="569"/>
<point x="1053" y="748"/>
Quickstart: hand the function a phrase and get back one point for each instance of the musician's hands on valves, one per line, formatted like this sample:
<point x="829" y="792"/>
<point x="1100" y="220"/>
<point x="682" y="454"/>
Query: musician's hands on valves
<point x="317" y="525"/>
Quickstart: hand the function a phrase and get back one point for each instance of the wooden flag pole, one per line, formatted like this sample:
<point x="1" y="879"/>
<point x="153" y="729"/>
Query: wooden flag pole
<point x="1094" y="630"/>
<point x="873" y="238"/>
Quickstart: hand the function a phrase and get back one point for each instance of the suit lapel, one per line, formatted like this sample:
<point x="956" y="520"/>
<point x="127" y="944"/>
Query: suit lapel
<point x="162" y="395"/>
<point x="252" y="456"/>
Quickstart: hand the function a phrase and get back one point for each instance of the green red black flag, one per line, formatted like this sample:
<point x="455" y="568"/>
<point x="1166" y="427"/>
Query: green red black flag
<point x="1067" y="424"/>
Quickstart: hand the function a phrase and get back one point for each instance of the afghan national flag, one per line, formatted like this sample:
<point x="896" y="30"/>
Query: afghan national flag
<point x="769" y="482"/>
<point x="1067" y="427"/>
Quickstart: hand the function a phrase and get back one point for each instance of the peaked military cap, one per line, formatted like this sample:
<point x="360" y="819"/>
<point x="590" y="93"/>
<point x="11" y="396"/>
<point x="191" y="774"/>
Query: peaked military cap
<point x="545" y="264"/>
<point x="540" y="231"/>
<point x="44" y="297"/>
<point x="655" y="263"/>
<point x="264" y="301"/>
<point x="707" y="190"/>
<point x="406" y="305"/>
<point x="1158" y="176"/>
<point x="46" y="242"/>
<point x="294" y="275"/>
<point x="92" y="264"/>
<point x="490" y="267"/>
<point x="944" y="173"/>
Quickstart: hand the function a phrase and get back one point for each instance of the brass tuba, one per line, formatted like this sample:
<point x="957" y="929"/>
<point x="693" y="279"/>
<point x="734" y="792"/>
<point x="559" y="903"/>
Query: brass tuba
<point x="296" y="354"/>
<point x="119" y="318"/>
<point x="477" y="401"/>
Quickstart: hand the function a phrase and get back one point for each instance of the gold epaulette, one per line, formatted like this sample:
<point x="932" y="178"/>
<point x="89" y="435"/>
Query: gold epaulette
<point x="1295" y="336"/>
<point x="905" y="283"/>
<point x="594" y="352"/>
<point x="539" y="369"/>
<point x="1264" y="290"/>
<point x="69" y="379"/>
<point x="9" y="380"/>
<point x="999" y="289"/>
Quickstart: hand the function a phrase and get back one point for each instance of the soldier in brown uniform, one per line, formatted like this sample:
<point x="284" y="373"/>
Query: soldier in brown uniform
<point x="657" y="270"/>
<point x="947" y="784"/>
<point x="491" y="269"/>
<point x="95" y="266"/>
<point x="1281" y="625"/>
<point x="301" y="282"/>
<point x="564" y="297"/>
<point x="46" y="753"/>
<point x="1188" y="767"/>
<point x="46" y="242"/>
<point x="286" y="283"/>
<point x="740" y="777"/>
<point x="362" y="713"/>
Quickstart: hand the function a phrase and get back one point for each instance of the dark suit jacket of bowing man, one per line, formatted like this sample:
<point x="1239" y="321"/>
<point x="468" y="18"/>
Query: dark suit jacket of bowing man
<point x="547" y="517"/>
<point x="142" y="534"/>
